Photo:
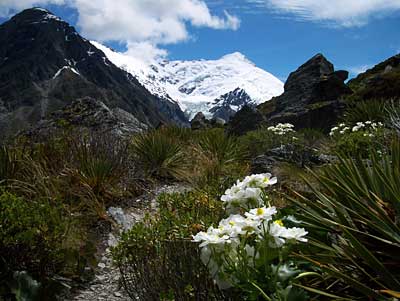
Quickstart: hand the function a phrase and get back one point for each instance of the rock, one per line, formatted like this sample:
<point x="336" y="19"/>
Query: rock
<point x="263" y="164"/>
<point x="89" y="114"/>
<point x="312" y="96"/>
<point x="199" y="122"/>
<point x="246" y="120"/>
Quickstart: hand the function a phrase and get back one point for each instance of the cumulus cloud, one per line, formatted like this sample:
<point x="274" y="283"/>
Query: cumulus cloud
<point x="143" y="25"/>
<point x="158" y="21"/>
<point x="145" y="51"/>
<point x="339" y="12"/>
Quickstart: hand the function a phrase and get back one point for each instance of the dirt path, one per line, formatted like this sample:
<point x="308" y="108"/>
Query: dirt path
<point x="106" y="284"/>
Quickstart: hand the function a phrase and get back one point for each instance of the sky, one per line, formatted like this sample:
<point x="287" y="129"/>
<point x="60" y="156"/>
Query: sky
<point x="277" y="35"/>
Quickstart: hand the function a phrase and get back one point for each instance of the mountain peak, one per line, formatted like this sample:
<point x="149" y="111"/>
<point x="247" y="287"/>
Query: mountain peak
<point x="235" y="56"/>
<point x="35" y="15"/>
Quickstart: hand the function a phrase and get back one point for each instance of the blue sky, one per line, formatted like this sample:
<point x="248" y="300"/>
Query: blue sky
<point x="277" y="36"/>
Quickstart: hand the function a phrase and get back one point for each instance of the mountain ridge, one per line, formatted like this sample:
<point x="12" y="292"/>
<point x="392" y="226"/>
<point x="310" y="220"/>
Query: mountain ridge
<point x="194" y="85"/>
<point x="45" y="64"/>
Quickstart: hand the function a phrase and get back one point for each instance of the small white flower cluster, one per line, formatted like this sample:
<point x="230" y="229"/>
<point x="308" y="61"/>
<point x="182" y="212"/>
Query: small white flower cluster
<point x="281" y="128"/>
<point x="368" y="127"/>
<point x="247" y="193"/>
<point x="258" y="222"/>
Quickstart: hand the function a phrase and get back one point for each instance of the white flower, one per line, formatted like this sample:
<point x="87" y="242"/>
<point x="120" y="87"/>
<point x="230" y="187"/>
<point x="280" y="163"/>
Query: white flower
<point x="262" y="213"/>
<point x="276" y="231"/>
<point x="281" y="128"/>
<point x="259" y="180"/>
<point x="233" y="226"/>
<point x="295" y="234"/>
<point x="211" y="237"/>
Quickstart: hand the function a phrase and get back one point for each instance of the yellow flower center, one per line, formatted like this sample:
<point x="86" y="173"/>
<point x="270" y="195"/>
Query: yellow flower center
<point x="260" y="211"/>
<point x="266" y="180"/>
<point x="279" y="222"/>
<point x="231" y="223"/>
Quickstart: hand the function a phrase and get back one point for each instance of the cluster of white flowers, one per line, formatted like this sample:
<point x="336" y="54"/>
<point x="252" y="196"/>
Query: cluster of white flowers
<point x="368" y="127"/>
<point x="258" y="222"/>
<point x="256" y="225"/>
<point x="281" y="128"/>
<point x="247" y="193"/>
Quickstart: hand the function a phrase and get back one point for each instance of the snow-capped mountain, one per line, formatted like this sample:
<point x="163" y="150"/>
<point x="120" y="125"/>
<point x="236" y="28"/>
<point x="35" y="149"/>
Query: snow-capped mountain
<point x="198" y="86"/>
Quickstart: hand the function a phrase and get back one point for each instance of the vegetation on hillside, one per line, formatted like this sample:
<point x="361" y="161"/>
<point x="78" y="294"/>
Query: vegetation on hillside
<point x="321" y="222"/>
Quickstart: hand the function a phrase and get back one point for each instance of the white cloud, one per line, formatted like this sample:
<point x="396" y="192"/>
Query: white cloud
<point x="142" y="24"/>
<point x="355" y="70"/>
<point x="145" y="51"/>
<point x="346" y="13"/>
<point x="158" y="21"/>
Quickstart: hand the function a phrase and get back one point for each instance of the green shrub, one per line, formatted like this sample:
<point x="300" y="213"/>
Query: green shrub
<point x="156" y="257"/>
<point x="9" y="160"/>
<point x="98" y="166"/>
<point x="31" y="234"/>
<point x="87" y="172"/>
<point x="393" y="115"/>
<point x="218" y="161"/>
<point x="353" y="222"/>
<point x="359" y="139"/>
<point x="365" y="110"/>
<point x="260" y="141"/>
<point x="160" y="155"/>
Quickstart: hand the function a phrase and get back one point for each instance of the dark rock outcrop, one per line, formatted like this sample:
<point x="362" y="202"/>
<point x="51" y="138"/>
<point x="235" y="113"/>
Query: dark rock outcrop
<point x="91" y="115"/>
<point x="228" y="104"/>
<point x="199" y="122"/>
<point x="311" y="97"/>
<point x="246" y="120"/>
<point x="45" y="64"/>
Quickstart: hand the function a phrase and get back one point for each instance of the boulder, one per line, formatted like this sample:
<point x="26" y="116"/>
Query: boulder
<point x="311" y="96"/>
<point x="199" y="122"/>
<point x="246" y="120"/>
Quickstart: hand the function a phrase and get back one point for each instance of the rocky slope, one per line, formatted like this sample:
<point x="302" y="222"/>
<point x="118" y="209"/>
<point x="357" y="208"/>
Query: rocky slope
<point x="380" y="82"/>
<point x="201" y="85"/>
<point x="45" y="64"/>
<point x="87" y="114"/>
